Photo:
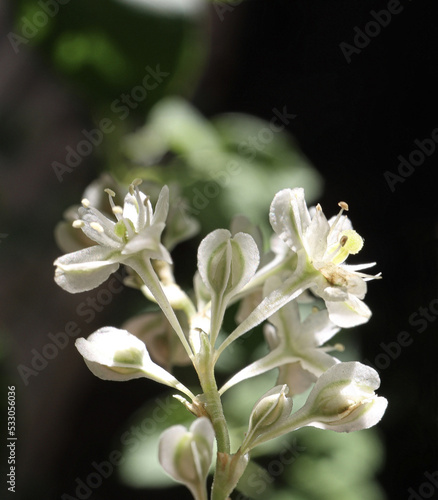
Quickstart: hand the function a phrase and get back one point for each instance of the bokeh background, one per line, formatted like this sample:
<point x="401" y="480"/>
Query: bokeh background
<point x="227" y="68"/>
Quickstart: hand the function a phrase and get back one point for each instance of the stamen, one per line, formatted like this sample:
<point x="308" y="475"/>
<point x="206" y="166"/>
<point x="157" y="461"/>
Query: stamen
<point x="110" y="192"/>
<point x="148" y="214"/>
<point x="134" y="185"/>
<point x="336" y="347"/>
<point x="97" y="227"/>
<point x="343" y="205"/>
<point x="85" y="203"/>
<point x="78" y="224"/>
<point x="117" y="210"/>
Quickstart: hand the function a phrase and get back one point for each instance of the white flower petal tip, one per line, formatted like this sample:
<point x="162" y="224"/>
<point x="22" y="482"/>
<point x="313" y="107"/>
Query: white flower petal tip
<point x="186" y="455"/>
<point x="343" y="399"/>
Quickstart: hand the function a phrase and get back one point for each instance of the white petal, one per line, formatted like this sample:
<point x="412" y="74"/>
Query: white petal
<point x="351" y="373"/>
<point x="245" y="260"/>
<point x="289" y="216"/>
<point x="162" y="206"/>
<point x="107" y="348"/>
<point x="85" y="269"/>
<point x="349" y="313"/>
<point x="208" y="249"/>
<point x="169" y="440"/>
<point x="102" y="345"/>
<point x="315" y="237"/>
<point x="366" y="416"/>
<point x="296" y="377"/>
<point x="316" y="361"/>
<point x="319" y="326"/>
<point x="147" y="239"/>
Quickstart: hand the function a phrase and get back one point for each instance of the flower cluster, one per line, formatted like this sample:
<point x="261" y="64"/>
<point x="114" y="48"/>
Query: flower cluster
<point x="302" y="287"/>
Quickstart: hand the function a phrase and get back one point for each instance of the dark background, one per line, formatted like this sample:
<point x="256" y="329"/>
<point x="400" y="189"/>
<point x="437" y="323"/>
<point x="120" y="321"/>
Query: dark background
<point x="353" y="120"/>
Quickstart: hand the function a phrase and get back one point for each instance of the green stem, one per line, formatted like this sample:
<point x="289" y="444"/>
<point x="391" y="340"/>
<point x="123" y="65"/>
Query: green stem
<point x="229" y="469"/>
<point x="213" y="406"/>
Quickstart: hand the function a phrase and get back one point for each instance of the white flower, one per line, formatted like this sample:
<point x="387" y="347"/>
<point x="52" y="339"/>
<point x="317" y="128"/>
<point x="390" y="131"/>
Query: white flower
<point x="114" y="354"/>
<point x="295" y="347"/>
<point x="342" y="400"/>
<point x="323" y="246"/>
<point x="136" y="230"/>
<point x="186" y="455"/>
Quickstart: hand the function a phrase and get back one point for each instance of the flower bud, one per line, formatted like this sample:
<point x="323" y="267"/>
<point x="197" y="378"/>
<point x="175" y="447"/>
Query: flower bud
<point x="187" y="455"/>
<point x="114" y="354"/>
<point x="272" y="409"/>
<point x="226" y="263"/>
<point x="343" y="399"/>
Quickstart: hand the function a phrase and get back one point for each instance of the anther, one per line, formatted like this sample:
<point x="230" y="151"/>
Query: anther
<point x="110" y="192"/>
<point x="85" y="203"/>
<point x="117" y="210"/>
<point x="343" y="205"/>
<point x="78" y="224"/>
<point x="96" y="226"/>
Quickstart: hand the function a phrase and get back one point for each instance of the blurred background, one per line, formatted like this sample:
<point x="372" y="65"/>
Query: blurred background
<point x="233" y="101"/>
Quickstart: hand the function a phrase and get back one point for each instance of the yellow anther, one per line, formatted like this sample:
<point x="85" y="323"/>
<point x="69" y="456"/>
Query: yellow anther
<point x="110" y="192"/>
<point x="78" y="224"/>
<point x="85" y="203"/>
<point x="117" y="210"/>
